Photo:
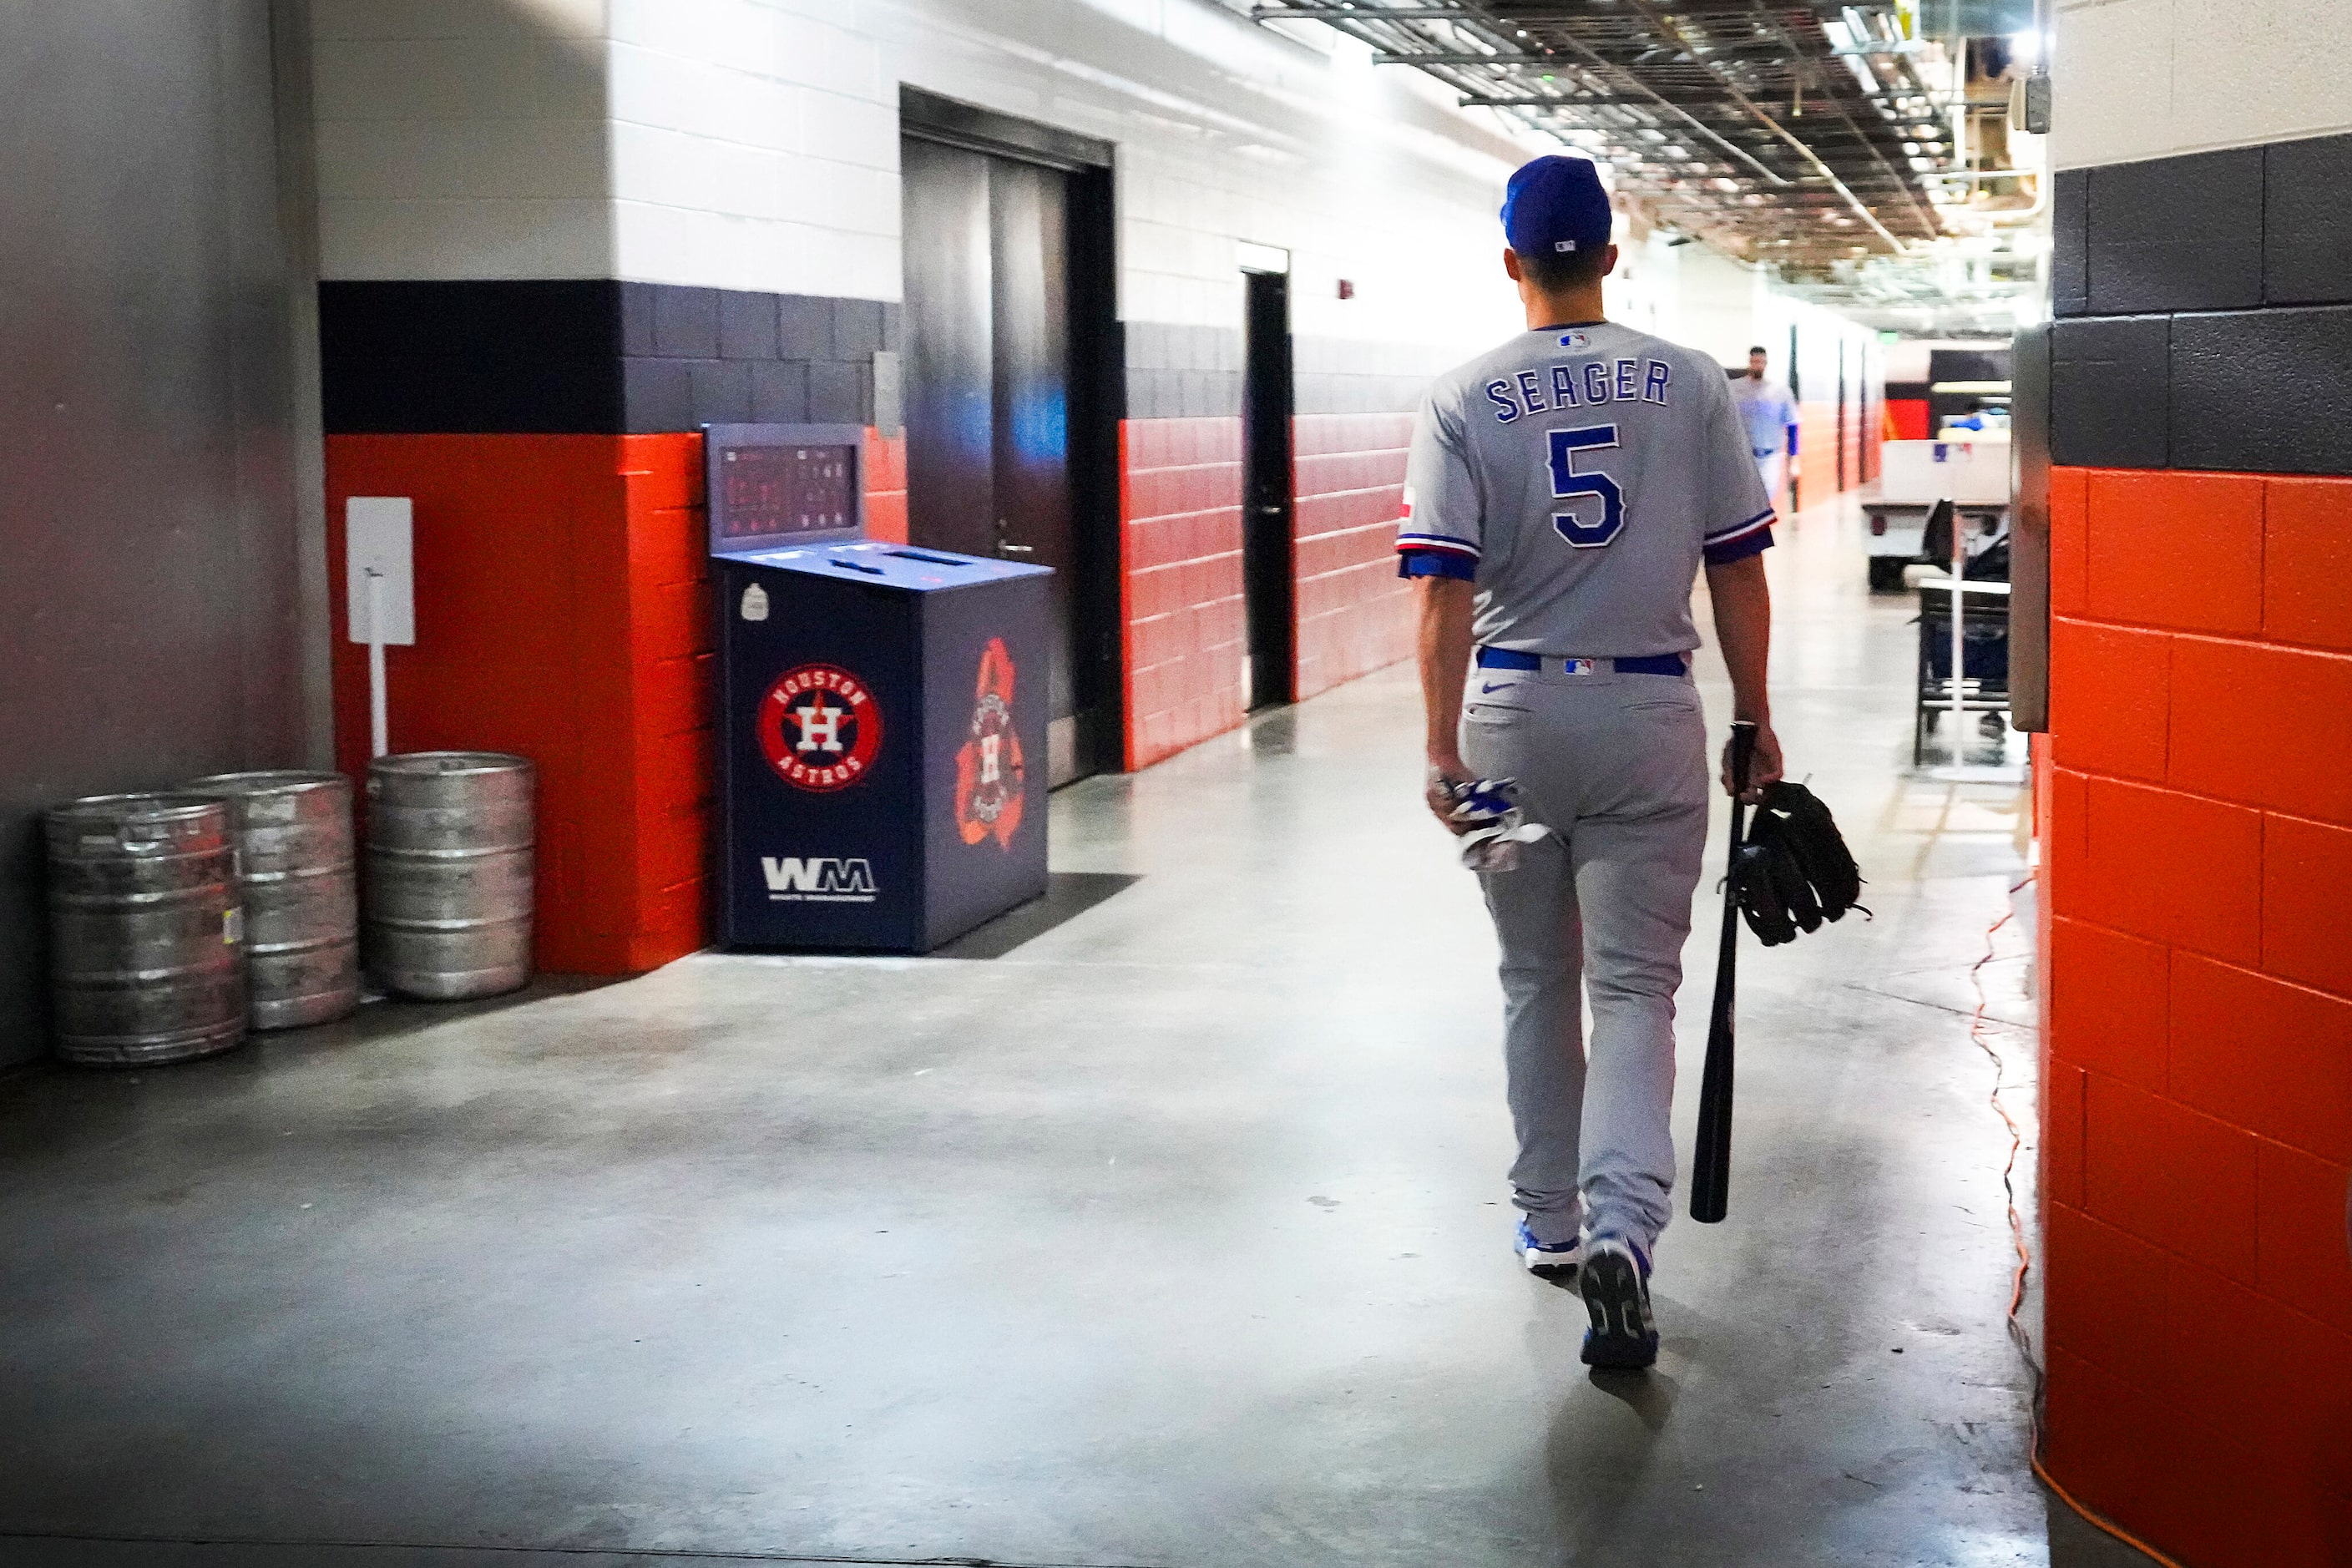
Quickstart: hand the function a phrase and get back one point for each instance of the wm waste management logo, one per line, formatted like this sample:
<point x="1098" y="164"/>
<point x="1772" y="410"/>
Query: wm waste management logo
<point x="820" y="727"/>
<point x="819" y="880"/>
<point x="991" y="773"/>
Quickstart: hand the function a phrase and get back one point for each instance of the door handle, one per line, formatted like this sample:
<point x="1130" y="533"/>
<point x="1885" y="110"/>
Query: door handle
<point x="1005" y="547"/>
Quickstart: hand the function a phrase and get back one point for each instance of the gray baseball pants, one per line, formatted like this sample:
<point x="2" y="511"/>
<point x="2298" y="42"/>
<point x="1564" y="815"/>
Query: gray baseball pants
<point x="1616" y="766"/>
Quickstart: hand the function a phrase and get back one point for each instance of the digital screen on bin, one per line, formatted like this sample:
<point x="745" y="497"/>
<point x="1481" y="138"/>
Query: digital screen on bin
<point x="785" y="491"/>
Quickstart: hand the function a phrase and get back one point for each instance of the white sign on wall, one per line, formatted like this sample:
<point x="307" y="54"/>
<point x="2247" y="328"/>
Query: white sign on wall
<point x="380" y="568"/>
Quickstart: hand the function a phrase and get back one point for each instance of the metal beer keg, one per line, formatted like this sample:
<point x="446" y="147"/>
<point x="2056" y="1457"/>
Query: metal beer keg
<point x="447" y="908"/>
<point x="301" y="890"/>
<point x="144" y="930"/>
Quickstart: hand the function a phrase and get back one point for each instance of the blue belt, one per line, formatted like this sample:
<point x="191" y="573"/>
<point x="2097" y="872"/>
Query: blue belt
<point x="1648" y="663"/>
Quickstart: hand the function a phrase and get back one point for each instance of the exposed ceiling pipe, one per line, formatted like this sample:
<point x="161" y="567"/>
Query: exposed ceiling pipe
<point x="1782" y="132"/>
<point x="1925" y="217"/>
<point x="1601" y="63"/>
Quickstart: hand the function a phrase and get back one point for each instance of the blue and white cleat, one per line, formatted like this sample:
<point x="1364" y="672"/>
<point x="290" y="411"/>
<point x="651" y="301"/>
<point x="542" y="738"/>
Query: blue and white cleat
<point x="1615" y="1279"/>
<point x="1546" y="1259"/>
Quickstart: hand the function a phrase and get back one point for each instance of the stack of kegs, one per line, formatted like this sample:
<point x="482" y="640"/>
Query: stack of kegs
<point x="179" y="921"/>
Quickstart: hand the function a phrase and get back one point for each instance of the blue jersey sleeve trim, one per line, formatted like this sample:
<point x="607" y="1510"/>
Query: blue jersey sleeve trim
<point x="1740" y="548"/>
<point x="1764" y="519"/>
<point x="1413" y="562"/>
<point x="1437" y="541"/>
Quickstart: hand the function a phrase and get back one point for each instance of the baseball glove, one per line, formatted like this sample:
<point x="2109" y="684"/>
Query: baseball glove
<point x="1794" y="871"/>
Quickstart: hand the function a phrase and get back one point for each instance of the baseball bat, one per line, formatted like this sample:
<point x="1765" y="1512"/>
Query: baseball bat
<point x="1711" y="1161"/>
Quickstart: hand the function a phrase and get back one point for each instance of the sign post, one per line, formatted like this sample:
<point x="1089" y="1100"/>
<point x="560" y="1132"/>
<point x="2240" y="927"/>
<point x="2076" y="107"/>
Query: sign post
<point x="380" y="583"/>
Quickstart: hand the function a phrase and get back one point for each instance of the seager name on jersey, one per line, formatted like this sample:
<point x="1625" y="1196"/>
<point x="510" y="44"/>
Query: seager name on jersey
<point x="1579" y="386"/>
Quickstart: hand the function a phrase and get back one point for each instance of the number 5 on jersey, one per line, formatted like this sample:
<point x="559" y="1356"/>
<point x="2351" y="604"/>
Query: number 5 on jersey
<point x="1569" y="485"/>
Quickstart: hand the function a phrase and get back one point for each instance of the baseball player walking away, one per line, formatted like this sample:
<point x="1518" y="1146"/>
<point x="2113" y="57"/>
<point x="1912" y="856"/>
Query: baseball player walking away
<point x="1771" y="415"/>
<point x="1561" y="495"/>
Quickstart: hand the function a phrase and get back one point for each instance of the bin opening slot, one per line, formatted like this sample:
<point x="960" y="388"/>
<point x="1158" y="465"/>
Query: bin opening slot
<point x="934" y="560"/>
<point x="858" y="566"/>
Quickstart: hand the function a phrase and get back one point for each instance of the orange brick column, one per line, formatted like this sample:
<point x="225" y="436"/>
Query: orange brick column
<point x="563" y="615"/>
<point x="2198" y="1087"/>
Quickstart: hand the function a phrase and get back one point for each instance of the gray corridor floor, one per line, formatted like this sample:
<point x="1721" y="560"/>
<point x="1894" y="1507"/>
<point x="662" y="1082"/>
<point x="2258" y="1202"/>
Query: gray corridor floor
<point x="1177" y="1234"/>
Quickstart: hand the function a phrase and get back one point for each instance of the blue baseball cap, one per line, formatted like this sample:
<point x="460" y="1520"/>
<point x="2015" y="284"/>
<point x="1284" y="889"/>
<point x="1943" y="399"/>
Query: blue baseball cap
<point x="1555" y="205"/>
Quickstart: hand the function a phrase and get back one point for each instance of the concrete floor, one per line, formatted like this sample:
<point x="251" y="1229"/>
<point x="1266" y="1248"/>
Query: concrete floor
<point x="1175" y="1235"/>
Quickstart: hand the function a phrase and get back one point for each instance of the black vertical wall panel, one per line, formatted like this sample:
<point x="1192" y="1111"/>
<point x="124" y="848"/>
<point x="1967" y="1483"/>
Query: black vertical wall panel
<point x="149" y="600"/>
<point x="1269" y="565"/>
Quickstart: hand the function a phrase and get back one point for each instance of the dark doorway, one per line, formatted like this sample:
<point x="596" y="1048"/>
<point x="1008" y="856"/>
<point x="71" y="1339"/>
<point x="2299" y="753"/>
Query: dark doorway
<point x="1797" y="396"/>
<point x="1007" y="331"/>
<point x="1267" y="574"/>
<point x="1840" y="417"/>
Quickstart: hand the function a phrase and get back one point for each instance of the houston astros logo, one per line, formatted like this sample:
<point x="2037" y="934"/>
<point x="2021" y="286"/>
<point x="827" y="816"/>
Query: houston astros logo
<point x="820" y="727"/>
<point x="990" y="775"/>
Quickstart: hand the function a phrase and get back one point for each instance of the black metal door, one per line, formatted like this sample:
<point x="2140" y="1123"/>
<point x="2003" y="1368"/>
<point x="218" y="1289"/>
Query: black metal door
<point x="1797" y="396"/>
<point x="1840" y="417"/>
<point x="989" y="320"/>
<point x="950" y="398"/>
<point x="1266" y="555"/>
<point x="1029" y="245"/>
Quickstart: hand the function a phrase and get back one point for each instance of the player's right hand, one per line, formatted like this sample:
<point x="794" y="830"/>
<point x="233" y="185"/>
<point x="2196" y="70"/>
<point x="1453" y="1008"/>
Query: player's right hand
<point x="1436" y="790"/>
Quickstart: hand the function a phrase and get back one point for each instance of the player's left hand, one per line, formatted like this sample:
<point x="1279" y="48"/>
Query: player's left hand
<point x="1763" y="765"/>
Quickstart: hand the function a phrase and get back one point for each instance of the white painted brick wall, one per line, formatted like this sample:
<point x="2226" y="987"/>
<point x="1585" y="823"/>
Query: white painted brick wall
<point x="756" y="147"/>
<point x="755" y="144"/>
<point x="2149" y="79"/>
<point x="461" y="139"/>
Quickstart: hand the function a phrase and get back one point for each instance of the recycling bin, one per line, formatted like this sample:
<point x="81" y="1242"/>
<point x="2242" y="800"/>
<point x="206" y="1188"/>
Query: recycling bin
<point x="883" y="710"/>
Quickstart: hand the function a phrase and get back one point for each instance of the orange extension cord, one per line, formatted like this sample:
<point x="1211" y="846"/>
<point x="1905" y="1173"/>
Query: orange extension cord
<point x="2024" y="1341"/>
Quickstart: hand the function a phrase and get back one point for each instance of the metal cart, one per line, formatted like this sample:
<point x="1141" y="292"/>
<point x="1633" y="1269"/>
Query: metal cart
<point x="1984" y="654"/>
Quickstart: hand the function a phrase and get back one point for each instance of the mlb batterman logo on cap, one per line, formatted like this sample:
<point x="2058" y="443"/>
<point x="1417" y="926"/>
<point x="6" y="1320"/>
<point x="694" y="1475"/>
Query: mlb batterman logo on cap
<point x="1556" y="206"/>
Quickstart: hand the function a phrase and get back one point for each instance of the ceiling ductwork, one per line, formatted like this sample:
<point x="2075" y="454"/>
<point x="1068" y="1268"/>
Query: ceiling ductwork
<point x="1859" y="151"/>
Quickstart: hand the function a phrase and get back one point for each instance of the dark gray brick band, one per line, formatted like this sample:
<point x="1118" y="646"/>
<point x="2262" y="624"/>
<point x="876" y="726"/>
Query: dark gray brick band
<point x="1342" y="375"/>
<point x="590" y="357"/>
<point x="1179" y="373"/>
<point x="2204" y="312"/>
<point x="2240" y="391"/>
<point x="1182" y="372"/>
<point x="2206" y="231"/>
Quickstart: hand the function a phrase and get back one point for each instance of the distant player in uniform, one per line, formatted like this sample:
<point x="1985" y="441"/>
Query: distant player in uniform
<point x="1771" y="415"/>
<point x="1562" y="493"/>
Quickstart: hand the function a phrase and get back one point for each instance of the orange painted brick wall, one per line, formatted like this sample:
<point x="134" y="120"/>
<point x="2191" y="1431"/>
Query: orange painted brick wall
<point x="1180" y="610"/>
<point x="1354" y="612"/>
<point x="1817" y="451"/>
<point x="560" y="615"/>
<point x="2198" y="1087"/>
<point x="562" y="585"/>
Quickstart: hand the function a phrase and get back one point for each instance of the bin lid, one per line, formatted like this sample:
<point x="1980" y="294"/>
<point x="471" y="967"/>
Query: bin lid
<point x="881" y="565"/>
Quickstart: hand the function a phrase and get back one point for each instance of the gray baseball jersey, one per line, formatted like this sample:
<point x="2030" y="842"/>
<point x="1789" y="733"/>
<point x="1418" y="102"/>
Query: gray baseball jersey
<point x="1579" y="475"/>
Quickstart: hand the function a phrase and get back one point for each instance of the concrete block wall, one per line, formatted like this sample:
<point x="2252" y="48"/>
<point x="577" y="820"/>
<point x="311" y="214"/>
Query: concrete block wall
<point x="462" y="142"/>
<point x="619" y="219"/>
<point x="601" y="221"/>
<point x="2197" y="1100"/>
